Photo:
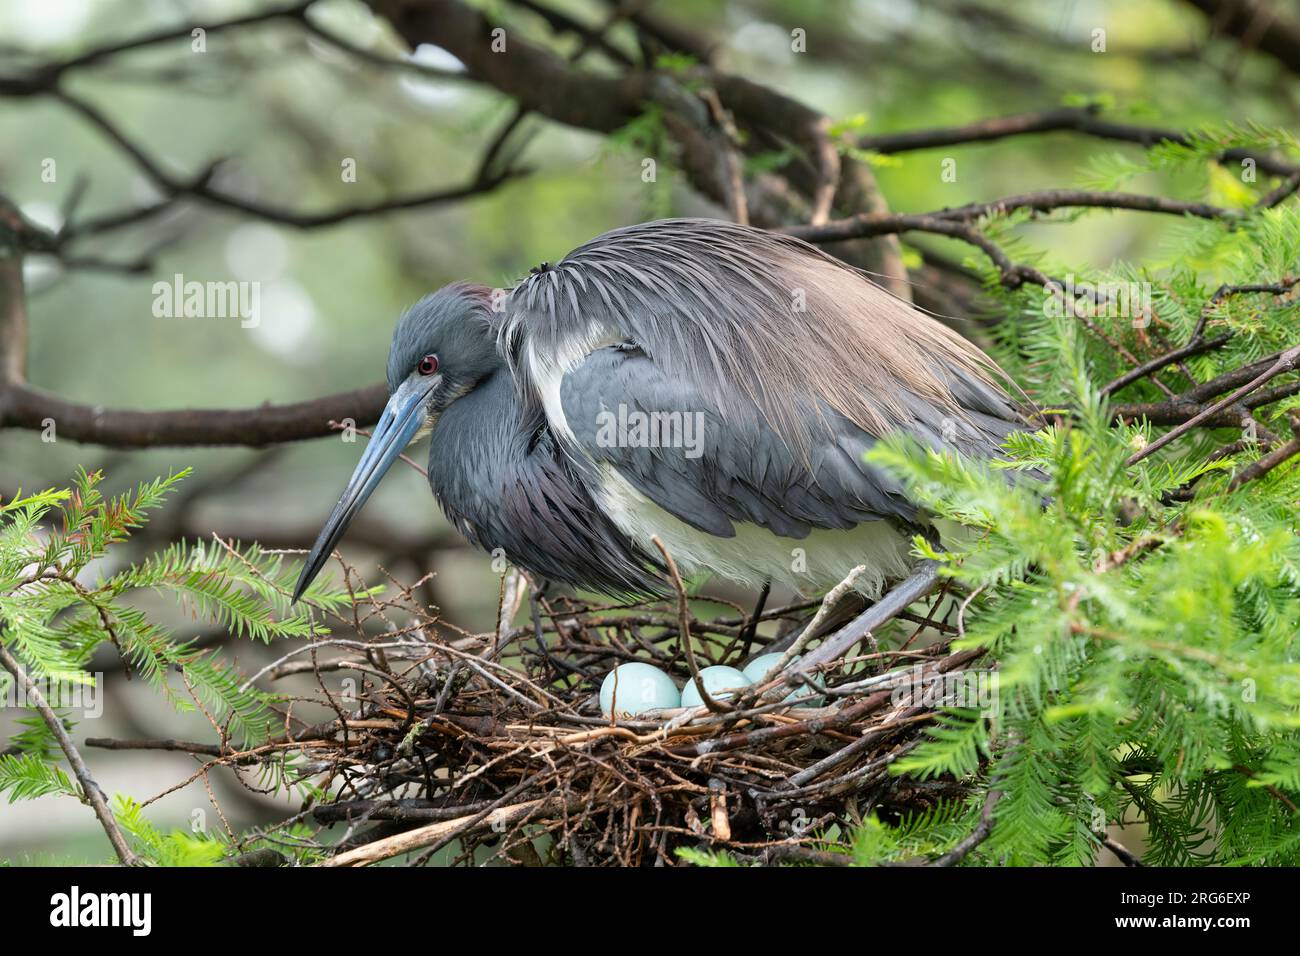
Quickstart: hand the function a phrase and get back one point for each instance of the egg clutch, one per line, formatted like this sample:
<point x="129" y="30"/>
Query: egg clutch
<point x="636" y="688"/>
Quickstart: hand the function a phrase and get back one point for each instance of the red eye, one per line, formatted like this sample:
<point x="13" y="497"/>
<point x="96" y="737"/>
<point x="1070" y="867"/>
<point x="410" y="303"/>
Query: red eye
<point x="428" y="365"/>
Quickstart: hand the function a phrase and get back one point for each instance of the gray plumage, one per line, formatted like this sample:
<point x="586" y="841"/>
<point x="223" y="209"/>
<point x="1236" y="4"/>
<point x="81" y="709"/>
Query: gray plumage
<point x="503" y="483"/>
<point x="780" y="363"/>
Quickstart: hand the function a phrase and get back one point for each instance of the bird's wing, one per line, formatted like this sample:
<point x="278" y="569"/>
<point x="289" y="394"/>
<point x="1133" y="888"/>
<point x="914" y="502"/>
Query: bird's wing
<point x="756" y="320"/>
<point x="792" y="363"/>
<point x="670" y="440"/>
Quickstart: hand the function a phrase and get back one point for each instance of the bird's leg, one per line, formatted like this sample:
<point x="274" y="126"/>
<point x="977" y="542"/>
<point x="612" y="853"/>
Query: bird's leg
<point x="538" y="589"/>
<point x="751" y="626"/>
<point x="535" y="609"/>
<point x="922" y="581"/>
<point x="513" y="587"/>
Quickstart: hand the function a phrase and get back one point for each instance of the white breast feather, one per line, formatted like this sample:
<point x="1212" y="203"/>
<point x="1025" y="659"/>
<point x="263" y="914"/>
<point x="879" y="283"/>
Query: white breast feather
<point x="754" y="555"/>
<point x="547" y="371"/>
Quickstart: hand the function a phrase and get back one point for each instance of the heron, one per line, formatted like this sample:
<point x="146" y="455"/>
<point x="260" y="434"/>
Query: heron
<point x="694" y="384"/>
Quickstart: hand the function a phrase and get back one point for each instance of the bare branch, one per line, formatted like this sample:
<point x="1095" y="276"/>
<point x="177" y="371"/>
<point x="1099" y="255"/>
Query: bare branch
<point x="13" y="302"/>
<point x="45" y="78"/>
<point x="977" y="836"/>
<point x="445" y="830"/>
<point x="200" y="189"/>
<point x="91" y="790"/>
<point x="1198" y="343"/>
<point x="22" y="406"/>
<point x="1286" y="362"/>
<point x="1072" y="119"/>
<point x="1256" y="24"/>
<point x="1262" y="466"/>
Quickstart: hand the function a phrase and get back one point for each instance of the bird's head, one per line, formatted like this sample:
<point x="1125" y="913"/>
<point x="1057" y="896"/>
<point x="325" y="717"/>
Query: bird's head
<point x="442" y="347"/>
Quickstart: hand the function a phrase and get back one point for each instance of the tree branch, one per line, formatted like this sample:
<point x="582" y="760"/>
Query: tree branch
<point x="199" y="188"/>
<point x="93" y="794"/>
<point x="1255" y="24"/>
<point x="1070" y="119"/>
<point x="1262" y="466"/>
<point x="45" y="78"/>
<point x="543" y="83"/>
<point x="1198" y="343"/>
<point x="977" y="836"/>
<point x="1286" y="362"/>
<point x="13" y="301"/>
<point x="22" y="406"/>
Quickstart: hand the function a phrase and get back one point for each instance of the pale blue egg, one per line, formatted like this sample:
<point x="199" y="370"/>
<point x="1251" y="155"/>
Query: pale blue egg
<point x="756" y="669"/>
<point x="640" y="687"/>
<point x="759" y="666"/>
<point x="716" y="679"/>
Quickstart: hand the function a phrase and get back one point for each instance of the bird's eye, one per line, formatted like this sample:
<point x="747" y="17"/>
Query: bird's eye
<point x="428" y="365"/>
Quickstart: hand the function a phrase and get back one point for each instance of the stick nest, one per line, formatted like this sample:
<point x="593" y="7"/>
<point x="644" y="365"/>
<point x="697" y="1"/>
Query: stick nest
<point x="492" y="747"/>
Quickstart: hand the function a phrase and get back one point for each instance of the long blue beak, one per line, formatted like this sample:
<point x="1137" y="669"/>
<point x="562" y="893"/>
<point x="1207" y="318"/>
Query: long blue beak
<point x="401" y="419"/>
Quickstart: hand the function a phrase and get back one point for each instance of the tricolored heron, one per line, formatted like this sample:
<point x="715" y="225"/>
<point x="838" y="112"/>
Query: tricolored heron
<point x="710" y="385"/>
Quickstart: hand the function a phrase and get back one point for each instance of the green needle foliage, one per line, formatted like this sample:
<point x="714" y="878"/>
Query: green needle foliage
<point x="56" y="610"/>
<point x="1144" y="644"/>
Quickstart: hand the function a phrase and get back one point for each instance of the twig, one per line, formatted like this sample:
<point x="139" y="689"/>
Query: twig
<point x="1126" y="856"/>
<point x="793" y="853"/>
<point x="200" y="189"/>
<point x="1286" y="363"/>
<point x="684" y="630"/>
<point x="1163" y="361"/>
<point x="421" y="837"/>
<point x="829" y="602"/>
<point x="732" y="172"/>
<point x="977" y="836"/>
<point x="1262" y="466"/>
<point x="750" y="628"/>
<point x="1072" y="119"/>
<point x="93" y="794"/>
